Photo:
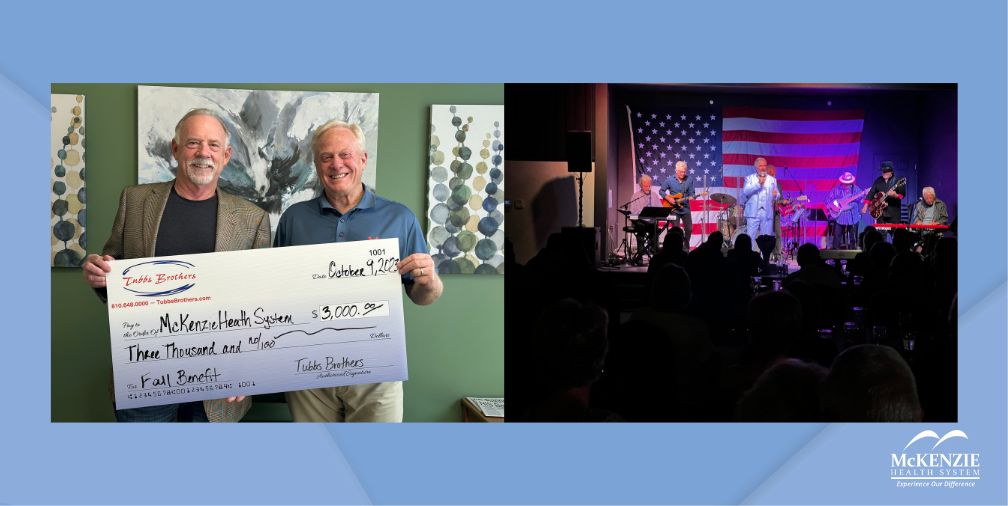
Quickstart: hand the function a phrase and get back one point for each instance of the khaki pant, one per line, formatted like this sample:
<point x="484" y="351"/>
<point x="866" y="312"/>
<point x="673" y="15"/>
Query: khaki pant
<point x="373" y="402"/>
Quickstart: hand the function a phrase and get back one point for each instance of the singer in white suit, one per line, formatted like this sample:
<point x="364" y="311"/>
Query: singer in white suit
<point x="760" y="191"/>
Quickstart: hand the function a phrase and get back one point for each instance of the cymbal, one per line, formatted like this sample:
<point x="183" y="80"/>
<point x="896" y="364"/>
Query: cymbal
<point x="723" y="198"/>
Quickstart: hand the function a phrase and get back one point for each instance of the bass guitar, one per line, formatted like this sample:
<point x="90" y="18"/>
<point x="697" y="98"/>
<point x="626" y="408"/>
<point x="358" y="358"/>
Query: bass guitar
<point x="833" y="209"/>
<point x="878" y="203"/>
<point x="677" y="201"/>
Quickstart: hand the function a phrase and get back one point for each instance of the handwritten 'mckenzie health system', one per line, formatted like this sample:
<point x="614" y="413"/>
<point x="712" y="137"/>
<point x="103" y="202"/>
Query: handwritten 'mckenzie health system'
<point x="214" y="325"/>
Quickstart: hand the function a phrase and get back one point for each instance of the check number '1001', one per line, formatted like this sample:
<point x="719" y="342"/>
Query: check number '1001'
<point x="353" y="310"/>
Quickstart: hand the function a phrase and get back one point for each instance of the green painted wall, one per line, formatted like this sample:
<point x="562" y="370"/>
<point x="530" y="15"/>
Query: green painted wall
<point x="455" y="347"/>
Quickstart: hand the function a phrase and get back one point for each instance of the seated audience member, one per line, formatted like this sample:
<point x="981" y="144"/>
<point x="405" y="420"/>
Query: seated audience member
<point x="774" y="322"/>
<point x="572" y="351"/>
<point x="706" y="268"/>
<point x="870" y="383"/>
<point x="813" y="270"/>
<point x="825" y="279"/>
<point x="641" y="378"/>
<point x="563" y="269"/>
<point x="670" y="297"/>
<point x="787" y="392"/>
<point x="743" y="259"/>
<point x="944" y="264"/>
<point x="859" y="265"/>
<point x="686" y="338"/>
<point x="876" y="280"/>
<point x="766" y="244"/>
<point x="808" y="345"/>
<point x="903" y="240"/>
<point x="671" y="253"/>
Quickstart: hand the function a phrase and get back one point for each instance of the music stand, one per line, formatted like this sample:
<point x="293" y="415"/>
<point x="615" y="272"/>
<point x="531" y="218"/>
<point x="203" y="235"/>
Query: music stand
<point x="653" y="214"/>
<point x="817" y="214"/>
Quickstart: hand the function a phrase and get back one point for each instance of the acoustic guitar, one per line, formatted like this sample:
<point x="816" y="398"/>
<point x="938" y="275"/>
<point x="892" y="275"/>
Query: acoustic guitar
<point x="878" y="203"/>
<point x="677" y="201"/>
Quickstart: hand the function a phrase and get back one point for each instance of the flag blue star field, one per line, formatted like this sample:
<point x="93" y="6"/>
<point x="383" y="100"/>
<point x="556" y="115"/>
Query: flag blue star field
<point x="664" y="136"/>
<point x="809" y="148"/>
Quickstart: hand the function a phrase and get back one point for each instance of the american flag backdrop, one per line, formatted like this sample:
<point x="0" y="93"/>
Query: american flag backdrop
<point x="809" y="148"/>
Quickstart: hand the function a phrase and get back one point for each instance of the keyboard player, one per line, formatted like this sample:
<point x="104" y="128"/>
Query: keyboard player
<point x="929" y="210"/>
<point x="646" y="231"/>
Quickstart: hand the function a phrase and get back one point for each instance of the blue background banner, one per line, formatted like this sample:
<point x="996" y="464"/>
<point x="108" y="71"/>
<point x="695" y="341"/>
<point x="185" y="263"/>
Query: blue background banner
<point x="739" y="41"/>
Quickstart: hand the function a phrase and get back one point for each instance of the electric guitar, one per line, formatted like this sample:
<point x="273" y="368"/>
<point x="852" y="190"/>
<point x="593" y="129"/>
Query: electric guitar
<point x="878" y="203"/>
<point x="786" y="206"/>
<point x="677" y="201"/>
<point x="833" y="209"/>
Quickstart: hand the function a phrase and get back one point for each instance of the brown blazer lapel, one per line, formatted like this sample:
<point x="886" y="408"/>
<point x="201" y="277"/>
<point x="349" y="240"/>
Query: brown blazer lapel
<point x="226" y="217"/>
<point x="154" y="206"/>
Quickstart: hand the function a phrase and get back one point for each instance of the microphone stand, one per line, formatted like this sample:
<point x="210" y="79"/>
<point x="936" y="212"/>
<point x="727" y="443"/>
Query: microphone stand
<point x="703" y="222"/>
<point x="626" y="233"/>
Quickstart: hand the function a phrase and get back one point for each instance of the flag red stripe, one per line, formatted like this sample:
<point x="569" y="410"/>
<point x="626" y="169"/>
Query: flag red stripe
<point x="788" y="185"/>
<point x="817" y="162"/>
<point x="792" y="114"/>
<point x="787" y="138"/>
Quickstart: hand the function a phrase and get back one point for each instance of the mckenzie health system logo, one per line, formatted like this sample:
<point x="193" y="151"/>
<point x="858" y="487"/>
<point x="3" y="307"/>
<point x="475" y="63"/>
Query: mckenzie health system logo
<point x="159" y="278"/>
<point x="944" y="464"/>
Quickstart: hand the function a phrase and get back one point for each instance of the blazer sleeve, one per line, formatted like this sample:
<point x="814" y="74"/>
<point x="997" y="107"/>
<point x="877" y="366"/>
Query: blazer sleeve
<point x="262" y="237"/>
<point x="941" y="214"/>
<point x="751" y="187"/>
<point x="114" y="245"/>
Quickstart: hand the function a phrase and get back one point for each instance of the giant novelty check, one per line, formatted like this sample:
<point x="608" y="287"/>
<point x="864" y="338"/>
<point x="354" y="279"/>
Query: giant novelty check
<point x="215" y="325"/>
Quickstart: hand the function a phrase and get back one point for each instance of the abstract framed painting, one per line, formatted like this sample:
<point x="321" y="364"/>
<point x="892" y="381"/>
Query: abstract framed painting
<point x="465" y="191"/>
<point x="271" y="130"/>
<point x="67" y="195"/>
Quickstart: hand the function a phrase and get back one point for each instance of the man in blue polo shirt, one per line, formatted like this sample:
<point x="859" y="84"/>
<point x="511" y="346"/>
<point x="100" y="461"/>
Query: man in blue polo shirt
<point x="350" y="211"/>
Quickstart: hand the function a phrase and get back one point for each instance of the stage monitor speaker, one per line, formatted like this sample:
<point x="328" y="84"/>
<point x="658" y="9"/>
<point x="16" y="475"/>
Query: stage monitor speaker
<point x="579" y="154"/>
<point x="838" y="254"/>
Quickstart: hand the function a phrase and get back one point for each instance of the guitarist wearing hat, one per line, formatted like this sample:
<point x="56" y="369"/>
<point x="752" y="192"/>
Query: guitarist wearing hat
<point x="677" y="192"/>
<point x="841" y="208"/>
<point x="885" y="196"/>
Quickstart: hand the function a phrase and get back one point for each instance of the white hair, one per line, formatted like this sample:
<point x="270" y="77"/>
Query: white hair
<point x="352" y="127"/>
<point x="645" y="177"/>
<point x="758" y="160"/>
<point x="202" y="111"/>
<point x="680" y="163"/>
<point x="928" y="190"/>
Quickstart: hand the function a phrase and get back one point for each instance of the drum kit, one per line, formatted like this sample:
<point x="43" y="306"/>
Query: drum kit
<point x="731" y="221"/>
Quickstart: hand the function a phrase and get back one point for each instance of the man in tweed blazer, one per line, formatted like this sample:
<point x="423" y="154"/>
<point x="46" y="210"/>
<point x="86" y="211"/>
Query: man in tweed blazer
<point x="184" y="216"/>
